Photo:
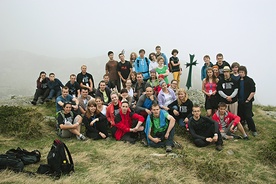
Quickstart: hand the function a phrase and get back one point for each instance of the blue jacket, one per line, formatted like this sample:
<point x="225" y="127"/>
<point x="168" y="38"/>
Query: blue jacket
<point x="142" y="65"/>
<point x="203" y="70"/>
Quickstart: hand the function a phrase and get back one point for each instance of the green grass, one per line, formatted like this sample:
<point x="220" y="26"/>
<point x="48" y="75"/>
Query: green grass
<point x="110" y="161"/>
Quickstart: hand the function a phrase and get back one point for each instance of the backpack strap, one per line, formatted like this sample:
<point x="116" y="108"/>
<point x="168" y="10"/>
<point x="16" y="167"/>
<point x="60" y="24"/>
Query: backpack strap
<point x="70" y="157"/>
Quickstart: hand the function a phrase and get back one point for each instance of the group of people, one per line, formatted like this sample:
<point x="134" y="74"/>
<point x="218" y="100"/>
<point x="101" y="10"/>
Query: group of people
<point x="147" y="106"/>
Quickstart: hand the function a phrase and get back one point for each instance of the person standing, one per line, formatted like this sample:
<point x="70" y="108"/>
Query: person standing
<point x="206" y="65"/>
<point x="124" y="69"/>
<point x="175" y="66"/>
<point x="86" y="80"/>
<point x="162" y="69"/>
<point x="221" y="64"/>
<point x="142" y="65"/>
<point x="111" y="70"/>
<point x="246" y="94"/>
<point x="159" y="53"/>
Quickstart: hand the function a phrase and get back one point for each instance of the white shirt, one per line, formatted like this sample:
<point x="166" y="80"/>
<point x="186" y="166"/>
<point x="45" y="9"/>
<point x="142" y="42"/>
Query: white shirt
<point x="153" y="65"/>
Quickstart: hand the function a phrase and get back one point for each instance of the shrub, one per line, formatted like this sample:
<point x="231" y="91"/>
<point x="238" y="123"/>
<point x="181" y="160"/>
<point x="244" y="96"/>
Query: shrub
<point x="20" y="122"/>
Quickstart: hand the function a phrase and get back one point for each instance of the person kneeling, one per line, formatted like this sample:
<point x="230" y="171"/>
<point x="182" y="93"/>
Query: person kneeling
<point x="95" y="122"/>
<point x="69" y="123"/>
<point x="124" y="122"/>
<point x="160" y="128"/>
<point x="204" y="130"/>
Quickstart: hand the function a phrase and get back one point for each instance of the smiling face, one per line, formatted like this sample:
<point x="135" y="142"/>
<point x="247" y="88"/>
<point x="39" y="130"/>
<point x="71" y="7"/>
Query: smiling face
<point x="99" y="101"/>
<point x="181" y="95"/>
<point x="92" y="108"/>
<point x="114" y="99"/>
<point x="65" y="92"/>
<point x="149" y="91"/>
<point x="210" y="73"/>
<point x="124" y="108"/>
<point x="83" y="69"/>
<point x="67" y="108"/>
<point x="128" y="83"/>
<point x="102" y="86"/>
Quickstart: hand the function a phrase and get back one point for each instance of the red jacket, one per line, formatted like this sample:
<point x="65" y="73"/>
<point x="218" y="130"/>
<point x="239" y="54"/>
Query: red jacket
<point x="123" y="123"/>
<point x="228" y="118"/>
<point x="110" y="113"/>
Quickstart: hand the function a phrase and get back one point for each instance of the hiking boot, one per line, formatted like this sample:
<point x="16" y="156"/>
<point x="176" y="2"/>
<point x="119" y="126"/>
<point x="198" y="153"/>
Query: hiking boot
<point x="168" y="149"/>
<point x="254" y="134"/>
<point x="33" y="102"/>
<point x="219" y="147"/>
<point x="237" y="136"/>
<point x="246" y="138"/>
<point x="144" y="142"/>
<point x="177" y="145"/>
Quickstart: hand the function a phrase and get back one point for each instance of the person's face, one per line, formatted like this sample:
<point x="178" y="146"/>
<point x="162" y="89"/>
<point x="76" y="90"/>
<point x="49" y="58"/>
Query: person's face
<point x="153" y="57"/>
<point x="207" y="60"/>
<point x="98" y="101"/>
<point x="65" y="92"/>
<point x="83" y="69"/>
<point x="133" y="77"/>
<point x="106" y="79"/>
<point x="181" y="95"/>
<point x="226" y="74"/>
<point x="155" y="110"/>
<point x="114" y="99"/>
<point x="52" y="77"/>
<point x="161" y="62"/>
<point x="174" y="85"/>
<point x="122" y="57"/>
<point x="67" y="108"/>
<point x="175" y="54"/>
<point x="164" y="86"/>
<point x="242" y="73"/>
<point x="102" y="86"/>
<point x="215" y="70"/>
<point x="196" y="112"/>
<point x="158" y="50"/>
<point x="220" y="60"/>
<point x="222" y="110"/>
<point x="111" y="56"/>
<point x="152" y="74"/>
<point x="124" y="95"/>
<point x="139" y="78"/>
<point x="142" y="54"/>
<point x="149" y="91"/>
<point x="84" y="93"/>
<point x="133" y="56"/>
<point x="235" y="69"/>
<point x="72" y="79"/>
<point x="43" y="75"/>
<point x="210" y="73"/>
<point x="124" y="108"/>
<point x="92" y="108"/>
<point x="128" y="83"/>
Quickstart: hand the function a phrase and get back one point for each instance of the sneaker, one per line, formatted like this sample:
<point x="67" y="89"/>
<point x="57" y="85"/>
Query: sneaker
<point x="254" y="134"/>
<point x="219" y="147"/>
<point x="237" y="136"/>
<point x="177" y="145"/>
<point x="33" y="102"/>
<point x="81" y="137"/>
<point x="168" y="149"/>
<point x="144" y="142"/>
<point x="246" y="138"/>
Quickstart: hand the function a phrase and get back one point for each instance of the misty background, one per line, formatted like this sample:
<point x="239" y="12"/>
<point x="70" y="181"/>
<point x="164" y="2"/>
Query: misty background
<point x="60" y="36"/>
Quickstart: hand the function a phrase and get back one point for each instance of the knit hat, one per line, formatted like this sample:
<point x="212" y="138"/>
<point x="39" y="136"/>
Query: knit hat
<point x="153" y="71"/>
<point x="161" y="82"/>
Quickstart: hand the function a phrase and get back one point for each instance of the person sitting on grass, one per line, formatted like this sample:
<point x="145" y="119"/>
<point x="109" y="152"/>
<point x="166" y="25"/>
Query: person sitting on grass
<point x="104" y="92"/>
<point x="113" y="108"/>
<point x="100" y="105"/>
<point x="204" y="130"/>
<point x="166" y="96"/>
<point x="159" y="128"/>
<point x="227" y="123"/>
<point x="65" y="97"/>
<point x="69" y="123"/>
<point x="74" y="86"/>
<point x="95" y="122"/>
<point x="181" y="109"/>
<point x="42" y="88"/>
<point x="83" y="99"/>
<point x="127" y="124"/>
<point x="54" y="85"/>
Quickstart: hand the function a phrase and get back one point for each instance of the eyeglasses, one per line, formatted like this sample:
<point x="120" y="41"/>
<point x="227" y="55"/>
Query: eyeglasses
<point x="174" y="83"/>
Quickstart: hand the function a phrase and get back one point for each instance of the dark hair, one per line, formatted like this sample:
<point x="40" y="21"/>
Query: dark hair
<point x="206" y="56"/>
<point x="142" y="50"/>
<point x="139" y="73"/>
<point x="174" y="51"/>
<point x="124" y="90"/>
<point x="109" y="52"/>
<point x="151" y="54"/>
<point x="121" y="54"/>
<point x="65" y="87"/>
<point x="83" y="89"/>
<point x="235" y="64"/>
<point x="173" y="81"/>
<point x="157" y="47"/>
<point x="243" y="68"/>
<point x="51" y="74"/>
<point x="124" y="101"/>
<point x="102" y="81"/>
<point x="196" y="106"/>
<point x="105" y="75"/>
<point x="154" y="104"/>
<point x="42" y="72"/>
<point x="72" y="75"/>
<point x="214" y="78"/>
<point x="219" y="55"/>
<point x="222" y="104"/>
<point x="66" y="103"/>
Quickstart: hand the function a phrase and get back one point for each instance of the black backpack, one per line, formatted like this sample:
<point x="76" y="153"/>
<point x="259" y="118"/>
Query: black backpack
<point x="26" y="156"/>
<point x="11" y="162"/>
<point x="58" y="163"/>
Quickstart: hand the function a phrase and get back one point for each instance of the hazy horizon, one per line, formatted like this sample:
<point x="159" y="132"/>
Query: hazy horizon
<point x="68" y="30"/>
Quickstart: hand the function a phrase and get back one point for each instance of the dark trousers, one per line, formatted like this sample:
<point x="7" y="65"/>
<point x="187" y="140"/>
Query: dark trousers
<point x="208" y="133"/>
<point x="117" y="83"/>
<point x="41" y="92"/>
<point x="93" y="131"/>
<point x="246" y="114"/>
<point x="164" y="142"/>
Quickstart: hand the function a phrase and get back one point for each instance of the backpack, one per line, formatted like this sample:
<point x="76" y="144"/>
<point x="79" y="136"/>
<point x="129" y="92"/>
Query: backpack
<point x="147" y="61"/>
<point x="11" y="162"/>
<point x="57" y="160"/>
<point x="25" y="156"/>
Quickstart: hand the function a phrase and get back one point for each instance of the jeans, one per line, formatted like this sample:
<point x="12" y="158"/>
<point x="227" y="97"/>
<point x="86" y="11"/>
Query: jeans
<point x="164" y="142"/>
<point x="54" y="93"/>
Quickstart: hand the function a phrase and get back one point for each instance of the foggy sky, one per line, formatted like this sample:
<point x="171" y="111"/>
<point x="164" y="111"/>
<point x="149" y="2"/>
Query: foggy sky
<point x="243" y="31"/>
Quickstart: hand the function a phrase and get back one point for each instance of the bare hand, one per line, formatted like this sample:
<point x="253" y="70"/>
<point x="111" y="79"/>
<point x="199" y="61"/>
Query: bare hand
<point x="209" y="139"/>
<point x="215" y="138"/>
<point x="148" y="111"/>
<point x="166" y="135"/>
<point x="156" y="140"/>
<point x="175" y="112"/>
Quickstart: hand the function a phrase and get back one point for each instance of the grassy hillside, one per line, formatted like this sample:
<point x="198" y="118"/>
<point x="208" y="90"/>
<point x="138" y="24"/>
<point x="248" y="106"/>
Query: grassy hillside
<point x="108" y="161"/>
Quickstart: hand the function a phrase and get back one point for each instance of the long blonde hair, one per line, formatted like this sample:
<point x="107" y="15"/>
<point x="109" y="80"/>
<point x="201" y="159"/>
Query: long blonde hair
<point x="182" y="90"/>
